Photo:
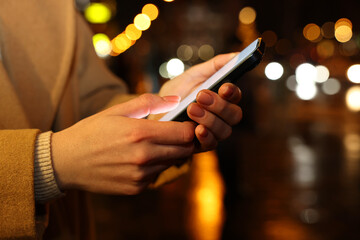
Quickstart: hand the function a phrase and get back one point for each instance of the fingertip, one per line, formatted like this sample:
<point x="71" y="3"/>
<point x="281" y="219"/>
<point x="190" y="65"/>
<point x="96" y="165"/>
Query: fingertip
<point x="202" y="131"/>
<point x="206" y="139"/>
<point x="230" y="92"/>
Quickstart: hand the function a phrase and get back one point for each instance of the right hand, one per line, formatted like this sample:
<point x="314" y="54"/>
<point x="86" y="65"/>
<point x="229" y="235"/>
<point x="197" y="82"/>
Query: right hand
<point x="116" y="152"/>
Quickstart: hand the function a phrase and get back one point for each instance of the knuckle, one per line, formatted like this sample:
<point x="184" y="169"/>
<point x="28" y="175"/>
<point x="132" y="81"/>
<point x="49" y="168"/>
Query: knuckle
<point x="188" y="134"/>
<point x="136" y="135"/>
<point x="147" y="98"/>
<point x="141" y="157"/>
<point x="138" y="176"/>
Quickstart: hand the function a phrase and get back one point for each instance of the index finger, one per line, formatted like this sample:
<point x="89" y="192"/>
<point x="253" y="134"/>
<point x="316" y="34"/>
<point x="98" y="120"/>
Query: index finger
<point x="168" y="132"/>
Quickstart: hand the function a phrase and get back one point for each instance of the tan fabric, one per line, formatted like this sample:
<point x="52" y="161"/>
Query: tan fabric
<point x="17" y="192"/>
<point x="50" y="78"/>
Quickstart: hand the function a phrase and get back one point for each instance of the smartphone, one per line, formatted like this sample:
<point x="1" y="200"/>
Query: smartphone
<point x="243" y="62"/>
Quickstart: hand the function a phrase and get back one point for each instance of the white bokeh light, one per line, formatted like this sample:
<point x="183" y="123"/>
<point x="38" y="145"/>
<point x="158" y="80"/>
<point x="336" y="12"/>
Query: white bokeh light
<point x="175" y="67"/>
<point x="306" y="73"/>
<point x="353" y="99"/>
<point x="163" y="71"/>
<point x="353" y="73"/>
<point x="274" y="71"/>
<point x="306" y="91"/>
<point x="291" y="83"/>
<point x="331" y="86"/>
<point x="322" y="74"/>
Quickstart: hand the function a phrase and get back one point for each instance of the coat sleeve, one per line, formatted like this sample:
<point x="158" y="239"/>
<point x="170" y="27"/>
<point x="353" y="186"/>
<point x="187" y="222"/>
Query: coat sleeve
<point x="17" y="204"/>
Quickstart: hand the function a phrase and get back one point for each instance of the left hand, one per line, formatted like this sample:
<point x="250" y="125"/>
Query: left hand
<point x="215" y="113"/>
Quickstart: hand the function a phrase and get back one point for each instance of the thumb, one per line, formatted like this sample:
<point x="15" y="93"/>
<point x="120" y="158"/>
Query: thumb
<point x="144" y="105"/>
<point x="206" y="69"/>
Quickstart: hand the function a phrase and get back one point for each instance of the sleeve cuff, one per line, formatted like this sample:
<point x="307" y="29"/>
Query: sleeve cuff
<point x="45" y="185"/>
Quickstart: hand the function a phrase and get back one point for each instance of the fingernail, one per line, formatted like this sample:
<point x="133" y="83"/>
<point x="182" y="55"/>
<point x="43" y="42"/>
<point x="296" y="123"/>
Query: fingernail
<point x="228" y="92"/>
<point x="196" y="110"/>
<point x="173" y="98"/>
<point x="205" y="99"/>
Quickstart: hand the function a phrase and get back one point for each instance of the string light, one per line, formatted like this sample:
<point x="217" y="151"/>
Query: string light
<point x="133" y="31"/>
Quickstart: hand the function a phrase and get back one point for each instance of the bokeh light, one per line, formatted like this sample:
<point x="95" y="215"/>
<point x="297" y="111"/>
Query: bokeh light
<point x="343" y="34"/>
<point x="102" y="44"/>
<point x="274" y="71"/>
<point x="175" y="67"/>
<point x="142" y="22"/>
<point x="206" y="52"/>
<point x="349" y="48"/>
<point x="306" y="91"/>
<point x="132" y="32"/>
<point x="247" y="15"/>
<point x="97" y="13"/>
<point x="151" y="11"/>
<point x="185" y="52"/>
<point x="291" y="83"/>
<point x="163" y="71"/>
<point x="331" y="86"/>
<point x="322" y="74"/>
<point x="325" y="48"/>
<point x="121" y="43"/>
<point x="353" y="73"/>
<point x="306" y="73"/>
<point x="353" y="98"/>
<point x="312" y="32"/>
<point x="327" y="30"/>
<point x="343" y="30"/>
<point x="343" y="22"/>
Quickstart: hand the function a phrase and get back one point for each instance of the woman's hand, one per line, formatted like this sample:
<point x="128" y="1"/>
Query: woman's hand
<point x="116" y="152"/>
<point x="215" y="113"/>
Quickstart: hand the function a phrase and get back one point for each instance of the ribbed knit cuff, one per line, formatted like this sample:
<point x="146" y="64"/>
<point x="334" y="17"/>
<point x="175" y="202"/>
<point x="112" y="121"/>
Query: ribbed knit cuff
<point x="45" y="185"/>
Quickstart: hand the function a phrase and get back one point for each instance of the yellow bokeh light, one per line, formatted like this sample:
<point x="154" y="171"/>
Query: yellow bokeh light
<point x="353" y="99"/>
<point x="206" y="219"/>
<point x="343" y="33"/>
<point x="97" y="13"/>
<point x="102" y="44"/>
<point x="142" y="22"/>
<point x="343" y="22"/>
<point x="168" y="0"/>
<point x="151" y="11"/>
<point x="325" y="49"/>
<point x="121" y="43"/>
<point x="132" y="32"/>
<point x="312" y="32"/>
<point x="247" y="15"/>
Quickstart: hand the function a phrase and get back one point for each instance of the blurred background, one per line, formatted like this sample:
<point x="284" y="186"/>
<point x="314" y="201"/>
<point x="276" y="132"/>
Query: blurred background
<point x="291" y="169"/>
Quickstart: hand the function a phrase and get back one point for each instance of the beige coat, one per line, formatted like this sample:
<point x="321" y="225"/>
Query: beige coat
<point x="50" y="78"/>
